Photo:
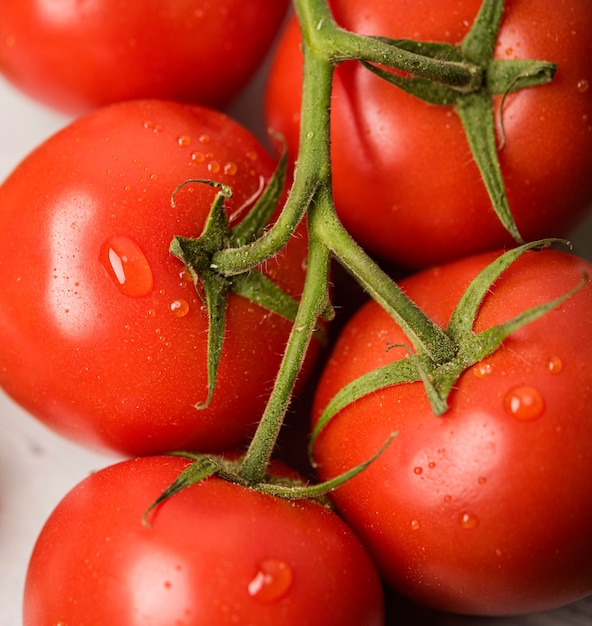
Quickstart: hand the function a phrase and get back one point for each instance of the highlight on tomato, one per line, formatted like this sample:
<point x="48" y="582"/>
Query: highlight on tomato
<point x="103" y="336"/>
<point x="483" y="509"/>
<point x="78" y="56"/>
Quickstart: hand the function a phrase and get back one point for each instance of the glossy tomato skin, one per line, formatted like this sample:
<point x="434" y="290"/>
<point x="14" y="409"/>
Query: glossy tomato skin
<point x="414" y="170"/>
<point x="216" y="553"/>
<point x="485" y="509"/>
<point x="121" y="365"/>
<point x="77" y="56"/>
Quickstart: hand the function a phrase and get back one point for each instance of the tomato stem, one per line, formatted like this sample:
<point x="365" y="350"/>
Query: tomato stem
<point x="461" y="74"/>
<point x="314" y="301"/>
<point x="425" y="335"/>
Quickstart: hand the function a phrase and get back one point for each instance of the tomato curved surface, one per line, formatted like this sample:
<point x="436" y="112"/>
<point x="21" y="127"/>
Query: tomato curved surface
<point x="484" y="510"/>
<point x="102" y="334"/>
<point x="215" y="553"/>
<point x="405" y="183"/>
<point x="80" y="55"/>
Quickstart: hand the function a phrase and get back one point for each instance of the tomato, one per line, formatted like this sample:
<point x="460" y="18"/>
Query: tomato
<point x="405" y="184"/>
<point x="102" y="334"/>
<point x="76" y="56"/>
<point x="486" y="508"/>
<point x="215" y="553"/>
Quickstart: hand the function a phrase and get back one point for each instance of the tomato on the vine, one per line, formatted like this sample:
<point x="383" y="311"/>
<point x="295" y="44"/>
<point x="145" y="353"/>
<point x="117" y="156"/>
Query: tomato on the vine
<point x="484" y="509"/>
<point x="405" y="183"/>
<point x="75" y="56"/>
<point x="102" y="334"/>
<point x="215" y="553"/>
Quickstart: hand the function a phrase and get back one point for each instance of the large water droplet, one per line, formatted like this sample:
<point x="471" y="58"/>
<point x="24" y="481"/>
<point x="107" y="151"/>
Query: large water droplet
<point x="127" y="266"/>
<point x="524" y="402"/>
<point x="272" y="580"/>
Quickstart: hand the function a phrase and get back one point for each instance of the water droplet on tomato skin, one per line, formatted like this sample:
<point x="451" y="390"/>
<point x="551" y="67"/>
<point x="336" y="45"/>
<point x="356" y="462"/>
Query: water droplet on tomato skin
<point x="468" y="521"/>
<point x="154" y="127"/>
<point x="127" y="266"/>
<point x="179" y="308"/>
<point x="482" y="370"/>
<point x="583" y="85"/>
<point x="415" y="525"/>
<point x="554" y="365"/>
<point x="524" y="403"/>
<point x="271" y="582"/>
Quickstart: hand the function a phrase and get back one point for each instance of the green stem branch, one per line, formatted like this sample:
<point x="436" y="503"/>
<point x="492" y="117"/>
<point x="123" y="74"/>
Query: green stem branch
<point x="313" y="303"/>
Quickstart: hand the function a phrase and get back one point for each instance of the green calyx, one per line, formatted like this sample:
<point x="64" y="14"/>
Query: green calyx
<point x="204" y="466"/>
<point x="214" y="288"/>
<point x="439" y="378"/>
<point x="474" y="103"/>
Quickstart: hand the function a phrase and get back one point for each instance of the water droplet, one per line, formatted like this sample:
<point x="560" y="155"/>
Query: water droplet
<point x="198" y="157"/>
<point x="271" y="582"/>
<point x="583" y="85"/>
<point x="418" y="470"/>
<point x="252" y="156"/>
<point x="524" y="402"/>
<point x="150" y="125"/>
<point x="431" y="465"/>
<point x="468" y="521"/>
<point x="151" y="313"/>
<point x="204" y="138"/>
<point x="214" y="167"/>
<point x="554" y="365"/>
<point x="127" y="266"/>
<point x="183" y="140"/>
<point x="415" y="525"/>
<point x="482" y="370"/>
<point x="230" y="168"/>
<point x="179" y="308"/>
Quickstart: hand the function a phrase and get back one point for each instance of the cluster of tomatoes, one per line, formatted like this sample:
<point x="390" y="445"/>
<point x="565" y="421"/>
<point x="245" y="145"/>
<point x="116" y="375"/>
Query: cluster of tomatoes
<point x="105" y="334"/>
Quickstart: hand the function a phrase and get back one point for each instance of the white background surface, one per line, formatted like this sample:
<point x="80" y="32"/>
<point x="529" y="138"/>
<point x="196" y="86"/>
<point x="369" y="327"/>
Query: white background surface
<point x="37" y="468"/>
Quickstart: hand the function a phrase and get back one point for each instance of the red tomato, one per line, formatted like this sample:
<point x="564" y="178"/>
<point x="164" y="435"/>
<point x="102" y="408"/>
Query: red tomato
<point x="405" y="184"/>
<point x="485" y="509"/>
<point x="102" y="335"/>
<point x="79" y="55"/>
<point x="215" y="553"/>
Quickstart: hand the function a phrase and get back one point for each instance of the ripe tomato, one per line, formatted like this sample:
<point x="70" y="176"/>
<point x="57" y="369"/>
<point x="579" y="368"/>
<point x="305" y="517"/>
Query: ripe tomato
<point x="215" y="553"/>
<point x="76" y="56"/>
<point x="102" y="335"/>
<point x="405" y="184"/>
<point x="485" y="509"/>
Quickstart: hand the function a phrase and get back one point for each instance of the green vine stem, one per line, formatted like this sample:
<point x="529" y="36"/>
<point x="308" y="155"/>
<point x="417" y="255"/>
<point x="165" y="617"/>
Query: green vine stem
<point x="435" y="72"/>
<point x="314" y="301"/>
